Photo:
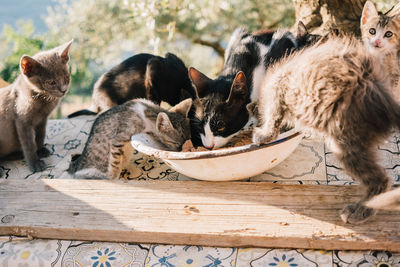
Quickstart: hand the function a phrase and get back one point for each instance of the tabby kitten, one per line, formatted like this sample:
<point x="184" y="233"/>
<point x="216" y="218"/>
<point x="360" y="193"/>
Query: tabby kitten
<point x="220" y="111"/>
<point x="340" y="90"/>
<point x="141" y="76"/>
<point x="381" y="35"/>
<point x="102" y="156"/>
<point x="27" y="102"/>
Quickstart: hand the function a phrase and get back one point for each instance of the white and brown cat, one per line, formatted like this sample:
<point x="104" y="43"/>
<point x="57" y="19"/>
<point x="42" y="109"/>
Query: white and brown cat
<point x="381" y="35"/>
<point x="28" y="101"/>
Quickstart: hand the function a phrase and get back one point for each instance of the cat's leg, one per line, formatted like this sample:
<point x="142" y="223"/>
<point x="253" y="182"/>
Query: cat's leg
<point x="271" y="118"/>
<point x="116" y="155"/>
<point x="26" y="136"/>
<point x="40" y="136"/>
<point x="360" y="163"/>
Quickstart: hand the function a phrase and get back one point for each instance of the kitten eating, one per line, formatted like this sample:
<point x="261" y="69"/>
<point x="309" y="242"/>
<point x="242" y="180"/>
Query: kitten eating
<point x="102" y="156"/>
<point x="27" y="102"/>
<point x="219" y="112"/>
<point x="340" y="90"/>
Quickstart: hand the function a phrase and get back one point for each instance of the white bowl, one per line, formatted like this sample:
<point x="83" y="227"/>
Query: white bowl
<point x="226" y="164"/>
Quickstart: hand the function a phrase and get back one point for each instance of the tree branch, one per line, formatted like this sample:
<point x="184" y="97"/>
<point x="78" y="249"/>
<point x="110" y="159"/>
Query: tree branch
<point x="214" y="45"/>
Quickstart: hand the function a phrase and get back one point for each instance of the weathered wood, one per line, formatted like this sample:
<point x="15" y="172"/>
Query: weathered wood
<point x="234" y="214"/>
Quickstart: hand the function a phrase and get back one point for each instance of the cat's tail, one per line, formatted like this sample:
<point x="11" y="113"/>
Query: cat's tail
<point x="81" y="113"/>
<point x="386" y="201"/>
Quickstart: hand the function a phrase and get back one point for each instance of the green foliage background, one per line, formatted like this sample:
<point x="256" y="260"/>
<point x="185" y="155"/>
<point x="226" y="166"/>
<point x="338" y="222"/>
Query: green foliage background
<point x="107" y="31"/>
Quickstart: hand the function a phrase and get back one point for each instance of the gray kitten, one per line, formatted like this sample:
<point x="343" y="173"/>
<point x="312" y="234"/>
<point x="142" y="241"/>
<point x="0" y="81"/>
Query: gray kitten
<point x="27" y="102"/>
<point x="342" y="91"/>
<point x="102" y="156"/>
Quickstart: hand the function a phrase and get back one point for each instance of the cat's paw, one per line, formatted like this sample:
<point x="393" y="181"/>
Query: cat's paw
<point x="37" y="166"/>
<point x="356" y="213"/>
<point x="43" y="152"/>
<point x="260" y="136"/>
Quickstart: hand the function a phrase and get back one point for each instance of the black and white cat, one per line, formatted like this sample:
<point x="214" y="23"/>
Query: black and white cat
<point x="219" y="112"/>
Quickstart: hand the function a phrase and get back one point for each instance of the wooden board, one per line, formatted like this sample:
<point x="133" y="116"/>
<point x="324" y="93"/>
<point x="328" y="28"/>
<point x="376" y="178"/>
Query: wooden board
<point x="234" y="214"/>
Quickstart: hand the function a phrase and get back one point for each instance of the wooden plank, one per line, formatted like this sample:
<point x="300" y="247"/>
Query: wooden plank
<point x="230" y="214"/>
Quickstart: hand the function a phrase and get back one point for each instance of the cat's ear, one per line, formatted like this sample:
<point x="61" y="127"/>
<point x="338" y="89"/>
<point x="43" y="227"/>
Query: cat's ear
<point x="239" y="90"/>
<point x="163" y="123"/>
<point x="183" y="107"/>
<point x="199" y="81"/>
<point x="301" y="29"/>
<point x="29" y="66"/>
<point x="369" y="11"/>
<point x="395" y="10"/>
<point x="63" y="51"/>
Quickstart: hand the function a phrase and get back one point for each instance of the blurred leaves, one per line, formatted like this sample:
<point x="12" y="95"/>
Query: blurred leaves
<point x="14" y="44"/>
<point x="107" y="31"/>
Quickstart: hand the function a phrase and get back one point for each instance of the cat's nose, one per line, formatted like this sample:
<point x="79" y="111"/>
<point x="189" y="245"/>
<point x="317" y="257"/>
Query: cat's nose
<point x="63" y="89"/>
<point x="378" y="43"/>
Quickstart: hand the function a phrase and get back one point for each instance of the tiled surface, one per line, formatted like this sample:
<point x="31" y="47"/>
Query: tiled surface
<point x="165" y="255"/>
<point x="311" y="163"/>
<point x="283" y="257"/>
<point x="310" y="155"/>
<point x="388" y="154"/>
<point x="23" y="253"/>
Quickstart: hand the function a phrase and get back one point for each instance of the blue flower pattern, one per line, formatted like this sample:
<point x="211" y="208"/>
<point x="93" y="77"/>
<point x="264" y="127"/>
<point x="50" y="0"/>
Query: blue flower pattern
<point x="103" y="259"/>
<point x="283" y="259"/>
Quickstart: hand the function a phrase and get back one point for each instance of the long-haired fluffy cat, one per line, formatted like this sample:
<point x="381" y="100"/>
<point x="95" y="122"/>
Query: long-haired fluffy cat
<point x="102" y="155"/>
<point x="342" y="91"/>
<point x="28" y="101"/>
<point x="141" y="76"/>
<point x="220" y="111"/>
<point x="381" y="35"/>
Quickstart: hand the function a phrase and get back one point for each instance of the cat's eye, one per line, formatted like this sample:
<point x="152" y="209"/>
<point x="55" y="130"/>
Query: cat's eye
<point x="51" y="82"/>
<point x="388" y="34"/>
<point x="220" y="125"/>
<point x="372" y="31"/>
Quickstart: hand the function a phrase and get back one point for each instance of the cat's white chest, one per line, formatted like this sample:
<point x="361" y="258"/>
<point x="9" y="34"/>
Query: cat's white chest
<point x="259" y="73"/>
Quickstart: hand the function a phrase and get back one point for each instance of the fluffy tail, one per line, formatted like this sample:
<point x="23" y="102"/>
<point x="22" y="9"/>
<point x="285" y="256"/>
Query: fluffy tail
<point x="386" y="201"/>
<point x="81" y="113"/>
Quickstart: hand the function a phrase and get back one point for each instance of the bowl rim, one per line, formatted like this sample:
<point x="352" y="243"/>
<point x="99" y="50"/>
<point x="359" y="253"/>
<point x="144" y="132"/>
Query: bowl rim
<point x="177" y="155"/>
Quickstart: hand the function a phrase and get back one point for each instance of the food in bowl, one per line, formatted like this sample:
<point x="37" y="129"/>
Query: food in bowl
<point x="243" y="138"/>
<point x="226" y="164"/>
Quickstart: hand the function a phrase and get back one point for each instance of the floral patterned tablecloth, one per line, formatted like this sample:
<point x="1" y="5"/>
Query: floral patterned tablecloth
<point x="310" y="163"/>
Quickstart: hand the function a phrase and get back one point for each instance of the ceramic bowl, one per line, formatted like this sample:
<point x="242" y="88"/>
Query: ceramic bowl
<point x="225" y="164"/>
